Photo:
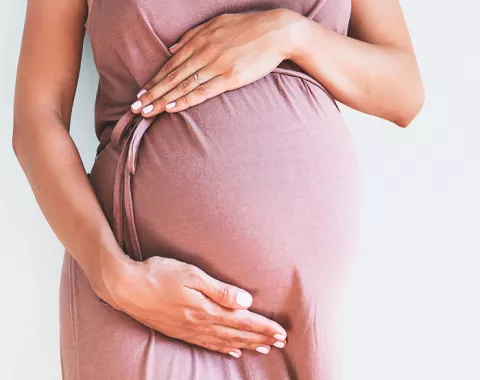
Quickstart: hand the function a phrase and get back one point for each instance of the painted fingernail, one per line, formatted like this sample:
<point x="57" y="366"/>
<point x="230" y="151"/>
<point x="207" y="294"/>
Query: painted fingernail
<point x="279" y="344"/>
<point x="262" y="349"/>
<point x="148" y="108"/>
<point x="279" y="336"/>
<point x="171" y="47"/>
<point x="141" y="93"/>
<point x="170" y="105"/>
<point x="137" y="105"/>
<point x="243" y="299"/>
<point x="234" y="354"/>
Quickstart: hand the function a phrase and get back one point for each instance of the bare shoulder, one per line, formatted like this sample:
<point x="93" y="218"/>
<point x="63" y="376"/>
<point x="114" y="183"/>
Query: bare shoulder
<point x="50" y="55"/>
<point x="380" y="22"/>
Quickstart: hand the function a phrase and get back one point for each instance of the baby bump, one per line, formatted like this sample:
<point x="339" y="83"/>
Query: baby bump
<point x="257" y="186"/>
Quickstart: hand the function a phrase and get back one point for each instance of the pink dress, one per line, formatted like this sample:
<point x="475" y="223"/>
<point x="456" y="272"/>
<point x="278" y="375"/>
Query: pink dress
<point x="258" y="187"/>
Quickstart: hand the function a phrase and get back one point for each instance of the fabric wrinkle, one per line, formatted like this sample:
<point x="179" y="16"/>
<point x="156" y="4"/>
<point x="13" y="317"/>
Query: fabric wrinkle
<point x="254" y="186"/>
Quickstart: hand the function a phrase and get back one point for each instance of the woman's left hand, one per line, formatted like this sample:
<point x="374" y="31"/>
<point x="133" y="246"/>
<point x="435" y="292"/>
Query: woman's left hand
<point x="222" y="54"/>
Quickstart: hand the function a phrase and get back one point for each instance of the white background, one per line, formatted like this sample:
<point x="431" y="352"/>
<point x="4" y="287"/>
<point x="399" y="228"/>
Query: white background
<point x="413" y="305"/>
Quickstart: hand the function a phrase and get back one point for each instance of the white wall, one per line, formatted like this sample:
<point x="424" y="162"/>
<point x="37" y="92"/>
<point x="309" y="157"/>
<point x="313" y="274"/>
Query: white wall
<point x="413" y="308"/>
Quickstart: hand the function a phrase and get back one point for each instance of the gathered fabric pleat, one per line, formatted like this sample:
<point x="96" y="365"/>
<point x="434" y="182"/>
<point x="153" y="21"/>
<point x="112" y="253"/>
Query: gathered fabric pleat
<point x="127" y="134"/>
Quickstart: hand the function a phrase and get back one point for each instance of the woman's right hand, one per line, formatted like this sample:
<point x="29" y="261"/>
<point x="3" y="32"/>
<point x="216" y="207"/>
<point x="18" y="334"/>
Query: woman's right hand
<point x="183" y="302"/>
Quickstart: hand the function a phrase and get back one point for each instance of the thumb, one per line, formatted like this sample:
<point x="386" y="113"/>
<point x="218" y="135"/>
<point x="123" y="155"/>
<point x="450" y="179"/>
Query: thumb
<point x="224" y="294"/>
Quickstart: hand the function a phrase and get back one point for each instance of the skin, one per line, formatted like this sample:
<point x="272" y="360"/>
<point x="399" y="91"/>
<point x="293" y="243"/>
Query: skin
<point x="378" y="76"/>
<point x="373" y="69"/>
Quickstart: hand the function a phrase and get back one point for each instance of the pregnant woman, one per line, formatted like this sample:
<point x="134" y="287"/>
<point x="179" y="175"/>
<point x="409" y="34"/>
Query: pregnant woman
<point x="213" y="237"/>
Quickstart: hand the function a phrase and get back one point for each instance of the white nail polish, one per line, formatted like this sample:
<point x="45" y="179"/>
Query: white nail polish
<point x="170" y="105"/>
<point x="141" y="93"/>
<point x="262" y="350"/>
<point x="234" y="354"/>
<point x="148" y="108"/>
<point x="279" y="344"/>
<point x="279" y="336"/>
<point x="137" y="105"/>
<point x="243" y="299"/>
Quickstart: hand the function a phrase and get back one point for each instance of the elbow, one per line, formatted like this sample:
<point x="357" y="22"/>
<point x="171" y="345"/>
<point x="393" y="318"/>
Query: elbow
<point x="16" y="147"/>
<point x="412" y="106"/>
<point x="14" y="141"/>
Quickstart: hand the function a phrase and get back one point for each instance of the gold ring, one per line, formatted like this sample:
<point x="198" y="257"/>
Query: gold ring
<point x="196" y="78"/>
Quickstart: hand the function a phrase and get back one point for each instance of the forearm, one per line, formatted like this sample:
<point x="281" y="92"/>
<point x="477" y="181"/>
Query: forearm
<point x="379" y="80"/>
<point x="54" y="169"/>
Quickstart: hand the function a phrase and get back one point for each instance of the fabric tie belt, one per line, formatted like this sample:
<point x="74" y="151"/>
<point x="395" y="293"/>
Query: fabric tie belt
<point x="127" y="133"/>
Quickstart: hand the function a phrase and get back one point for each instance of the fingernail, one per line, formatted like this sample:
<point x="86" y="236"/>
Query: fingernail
<point x="137" y="105"/>
<point x="170" y="105"/>
<point x="262" y="350"/>
<point x="141" y="93"/>
<point x="234" y="354"/>
<point x="243" y="299"/>
<point x="279" y="336"/>
<point x="171" y="47"/>
<point x="279" y="344"/>
<point x="148" y="108"/>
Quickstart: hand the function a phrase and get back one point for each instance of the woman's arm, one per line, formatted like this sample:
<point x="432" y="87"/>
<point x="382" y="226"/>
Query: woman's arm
<point x="175" y="298"/>
<point x="373" y="69"/>
<point x="46" y="81"/>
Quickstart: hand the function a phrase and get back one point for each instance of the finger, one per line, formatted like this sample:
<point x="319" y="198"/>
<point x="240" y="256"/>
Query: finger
<point x="187" y="37"/>
<point x="180" y="56"/>
<point x="246" y="339"/>
<point x="203" y="340"/>
<point x="203" y="75"/>
<point x="168" y="67"/>
<point x="183" y="51"/>
<point x="245" y="320"/>
<point x="205" y="314"/>
<point x="224" y="294"/>
<point x="154" y="101"/>
<point x="199" y="94"/>
<point x="207" y="311"/>
<point x="184" y="95"/>
<point x="222" y="344"/>
<point x="168" y="78"/>
<point x="169" y="100"/>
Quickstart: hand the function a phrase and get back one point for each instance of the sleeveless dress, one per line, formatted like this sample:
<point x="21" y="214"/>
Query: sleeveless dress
<point x="258" y="186"/>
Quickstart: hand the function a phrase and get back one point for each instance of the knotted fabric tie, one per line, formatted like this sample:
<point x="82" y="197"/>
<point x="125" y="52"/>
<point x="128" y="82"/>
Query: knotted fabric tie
<point x="127" y="133"/>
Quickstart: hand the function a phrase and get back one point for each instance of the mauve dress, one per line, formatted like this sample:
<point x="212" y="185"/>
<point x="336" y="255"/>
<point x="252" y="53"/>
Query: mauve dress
<point x="258" y="186"/>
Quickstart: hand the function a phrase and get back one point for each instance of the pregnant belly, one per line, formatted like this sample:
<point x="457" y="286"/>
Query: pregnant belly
<point x="258" y="188"/>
